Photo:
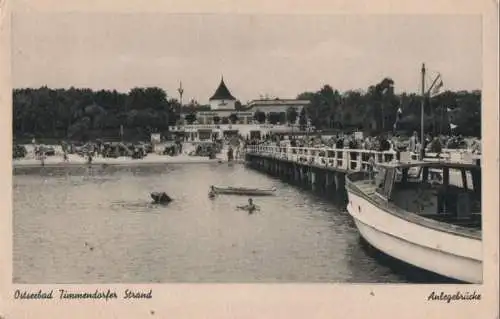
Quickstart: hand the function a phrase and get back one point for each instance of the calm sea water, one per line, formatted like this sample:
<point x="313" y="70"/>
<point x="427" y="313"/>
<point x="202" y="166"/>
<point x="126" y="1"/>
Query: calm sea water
<point x="97" y="225"/>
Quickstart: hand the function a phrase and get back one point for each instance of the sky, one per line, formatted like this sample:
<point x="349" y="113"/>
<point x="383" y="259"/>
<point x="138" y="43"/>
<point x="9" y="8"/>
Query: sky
<point x="277" y="55"/>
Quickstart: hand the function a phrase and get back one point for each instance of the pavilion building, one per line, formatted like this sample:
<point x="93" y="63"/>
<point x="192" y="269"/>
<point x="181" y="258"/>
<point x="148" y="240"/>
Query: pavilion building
<point x="222" y="98"/>
<point x="224" y="119"/>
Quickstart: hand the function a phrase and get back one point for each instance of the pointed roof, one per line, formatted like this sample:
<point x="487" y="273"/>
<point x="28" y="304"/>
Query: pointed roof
<point x="222" y="92"/>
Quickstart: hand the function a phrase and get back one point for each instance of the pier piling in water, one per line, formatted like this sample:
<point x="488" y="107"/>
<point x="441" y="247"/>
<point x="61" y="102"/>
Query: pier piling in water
<point x="323" y="180"/>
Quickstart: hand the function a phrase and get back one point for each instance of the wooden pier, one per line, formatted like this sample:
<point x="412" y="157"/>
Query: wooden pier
<point x="323" y="170"/>
<point x="320" y="170"/>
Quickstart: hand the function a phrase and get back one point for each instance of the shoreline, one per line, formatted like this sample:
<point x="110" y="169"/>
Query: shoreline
<point x="123" y="161"/>
<point x="131" y="164"/>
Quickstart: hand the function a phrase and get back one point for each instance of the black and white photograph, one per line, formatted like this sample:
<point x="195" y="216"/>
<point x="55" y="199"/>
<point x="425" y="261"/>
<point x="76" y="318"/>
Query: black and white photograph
<point x="218" y="159"/>
<point x="246" y="148"/>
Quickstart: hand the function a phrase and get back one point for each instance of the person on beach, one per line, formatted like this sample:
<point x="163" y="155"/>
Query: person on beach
<point x="238" y="151"/>
<point x="230" y="154"/>
<point x="42" y="158"/>
<point x="89" y="157"/>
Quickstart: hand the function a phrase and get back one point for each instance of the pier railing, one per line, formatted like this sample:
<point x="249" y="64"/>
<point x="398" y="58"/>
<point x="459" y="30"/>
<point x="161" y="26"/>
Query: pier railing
<point x="341" y="159"/>
<point x="351" y="159"/>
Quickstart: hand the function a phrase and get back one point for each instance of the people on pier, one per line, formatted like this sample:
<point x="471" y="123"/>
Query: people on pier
<point x="435" y="146"/>
<point x="371" y="166"/>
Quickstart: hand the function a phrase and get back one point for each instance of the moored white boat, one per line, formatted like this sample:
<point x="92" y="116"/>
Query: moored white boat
<point x="424" y="219"/>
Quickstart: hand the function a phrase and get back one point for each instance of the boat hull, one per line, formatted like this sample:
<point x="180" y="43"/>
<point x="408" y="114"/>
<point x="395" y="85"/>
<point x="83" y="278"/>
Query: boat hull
<point x="244" y="192"/>
<point x="440" y="252"/>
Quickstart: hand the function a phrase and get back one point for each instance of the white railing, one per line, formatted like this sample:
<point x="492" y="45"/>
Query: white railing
<point x="347" y="159"/>
<point x="342" y="159"/>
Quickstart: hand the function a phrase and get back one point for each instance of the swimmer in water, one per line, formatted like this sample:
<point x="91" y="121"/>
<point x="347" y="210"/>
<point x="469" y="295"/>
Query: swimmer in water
<point x="251" y="207"/>
<point x="211" y="193"/>
<point x="161" y="198"/>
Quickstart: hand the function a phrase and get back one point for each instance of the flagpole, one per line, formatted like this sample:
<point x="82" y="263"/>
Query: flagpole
<point x="429" y="92"/>
<point x="422" y="148"/>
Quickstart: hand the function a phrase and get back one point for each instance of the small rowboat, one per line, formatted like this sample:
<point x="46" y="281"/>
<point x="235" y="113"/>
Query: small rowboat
<point x="244" y="191"/>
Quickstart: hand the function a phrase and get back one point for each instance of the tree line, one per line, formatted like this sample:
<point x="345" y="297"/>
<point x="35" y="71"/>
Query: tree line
<point x="82" y="114"/>
<point x="376" y="110"/>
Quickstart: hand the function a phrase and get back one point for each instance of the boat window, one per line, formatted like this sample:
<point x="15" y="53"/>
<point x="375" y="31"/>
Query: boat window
<point x="399" y="175"/>
<point x="461" y="178"/>
<point x="435" y="176"/>
<point x="414" y="172"/>
<point x="384" y="187"/>
<point x="379" y="178"/>
<point x="389" y="182"/>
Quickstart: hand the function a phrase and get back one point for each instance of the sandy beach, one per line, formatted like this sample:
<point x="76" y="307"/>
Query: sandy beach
<point x="77" y="160"/>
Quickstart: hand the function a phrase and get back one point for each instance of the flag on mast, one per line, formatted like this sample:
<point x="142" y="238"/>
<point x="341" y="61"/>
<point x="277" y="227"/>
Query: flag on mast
<point x="438" y="85"/>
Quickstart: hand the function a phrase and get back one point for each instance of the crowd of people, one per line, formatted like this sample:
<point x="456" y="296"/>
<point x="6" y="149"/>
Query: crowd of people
<point x="236" y="145"/>
<point x="381" y="142"/>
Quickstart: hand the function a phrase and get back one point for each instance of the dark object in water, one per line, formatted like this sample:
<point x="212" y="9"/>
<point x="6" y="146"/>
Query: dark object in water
<point x="161" y="197"/>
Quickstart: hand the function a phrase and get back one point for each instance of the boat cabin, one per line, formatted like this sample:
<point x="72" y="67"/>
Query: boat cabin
<point x="449" y="192"/>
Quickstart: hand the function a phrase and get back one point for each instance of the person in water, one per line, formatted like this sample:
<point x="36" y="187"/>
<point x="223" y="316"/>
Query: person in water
<point x="250" y="207"/>
<point x="161" y="198"/>
<point x="211" y="193"/>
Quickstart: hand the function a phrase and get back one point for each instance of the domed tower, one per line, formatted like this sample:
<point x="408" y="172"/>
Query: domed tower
<point x="222" y="98"/>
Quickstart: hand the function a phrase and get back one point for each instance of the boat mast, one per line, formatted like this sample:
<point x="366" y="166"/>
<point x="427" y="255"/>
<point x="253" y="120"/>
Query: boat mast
<point x="422" y="148"/>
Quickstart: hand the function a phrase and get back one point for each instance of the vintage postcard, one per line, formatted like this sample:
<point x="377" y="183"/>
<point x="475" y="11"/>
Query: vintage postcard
<point x="249" y="160"/>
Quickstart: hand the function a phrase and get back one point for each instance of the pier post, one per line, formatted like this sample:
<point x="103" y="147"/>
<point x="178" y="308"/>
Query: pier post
<point x="327" y="181"/>
<point x="296" y="175"/>
<point x="336" y="181"/>
<point x="341" y="185"/>
<point x="312" y="179"/>
<point x="322" y="180"/>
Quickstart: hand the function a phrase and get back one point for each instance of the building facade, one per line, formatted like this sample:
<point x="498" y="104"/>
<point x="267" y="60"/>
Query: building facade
<point x="224" y="119"/>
